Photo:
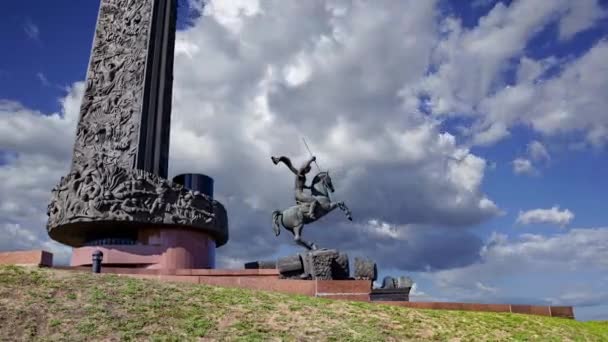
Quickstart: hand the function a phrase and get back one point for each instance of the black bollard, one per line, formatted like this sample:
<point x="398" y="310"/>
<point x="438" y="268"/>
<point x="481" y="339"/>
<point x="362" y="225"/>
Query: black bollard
<point x="97" y="258"/>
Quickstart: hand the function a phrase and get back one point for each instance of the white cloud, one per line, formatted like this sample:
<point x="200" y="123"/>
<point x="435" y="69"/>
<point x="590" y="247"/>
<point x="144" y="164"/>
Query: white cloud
<point x="470" y="66"/>
<point x="23" y="130"/>
<point x="557" y="259"/>
<point x="43" y="80"/>
<point x="231" y="14"/>
<point x="31" y="30"/>
<point x="318" y="79"/>
<point x="523" y="166"/>
<point x="417" y="295"/>
<point x="252" y="78"/>
<point x="570" y="102"/>
<point x="249" y="83"/>
<point x="297" y="72"/>
<point x="530" y="70"/>
<point x="537" y="151"/>
<point x="580" y="296"/>
<point x="39" y="148"/>
<point x="384" y="229"/>
<point x="553" y="216"/>
<point x="582" y="15"/>
<point x="491" y="134"/>
<point x="488" y="289"/>
<point x="470" y="62"/>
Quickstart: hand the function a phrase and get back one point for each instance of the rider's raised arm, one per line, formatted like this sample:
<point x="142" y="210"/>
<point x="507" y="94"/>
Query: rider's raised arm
<point x="287" y="163"/>
<point x="312" y="159"/>
<point x="307" y="165"/>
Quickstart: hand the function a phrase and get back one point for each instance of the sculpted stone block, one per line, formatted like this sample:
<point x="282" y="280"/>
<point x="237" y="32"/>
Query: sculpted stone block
<point x="319" y="263"/>
<point x="341" y="267"/>
<point x="291" y="267"/>
<point x="365" y="269"/>
<point x="324" y="264"/>
<point x="397" y="283"/>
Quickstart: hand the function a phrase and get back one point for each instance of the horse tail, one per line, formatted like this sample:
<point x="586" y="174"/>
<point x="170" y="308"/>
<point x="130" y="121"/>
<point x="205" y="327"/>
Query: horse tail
<point x="276" y="216"/>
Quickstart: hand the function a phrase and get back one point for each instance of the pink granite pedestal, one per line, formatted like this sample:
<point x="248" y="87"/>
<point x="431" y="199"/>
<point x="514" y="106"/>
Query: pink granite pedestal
<point x="156" y="248"/>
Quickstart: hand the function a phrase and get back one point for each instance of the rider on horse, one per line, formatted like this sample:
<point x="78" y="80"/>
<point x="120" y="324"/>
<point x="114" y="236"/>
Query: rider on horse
<point x="309" y="207"/>
<point x="301" y="197"/>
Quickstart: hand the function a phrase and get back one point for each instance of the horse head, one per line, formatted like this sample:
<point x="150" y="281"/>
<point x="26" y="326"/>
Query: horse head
<point x="322" y="183"/>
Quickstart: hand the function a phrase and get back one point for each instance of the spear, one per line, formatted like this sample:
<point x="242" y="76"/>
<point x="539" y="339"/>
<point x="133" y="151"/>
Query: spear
<point x="318" y="168"/>
<point x="309" y="152"/>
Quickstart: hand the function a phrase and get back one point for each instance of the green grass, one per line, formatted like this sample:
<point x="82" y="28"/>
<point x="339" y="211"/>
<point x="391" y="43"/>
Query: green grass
<point x="43" y="304"/>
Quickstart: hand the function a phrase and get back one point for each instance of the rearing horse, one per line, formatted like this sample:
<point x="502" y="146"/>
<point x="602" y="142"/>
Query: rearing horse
<point x="293" y="218"/>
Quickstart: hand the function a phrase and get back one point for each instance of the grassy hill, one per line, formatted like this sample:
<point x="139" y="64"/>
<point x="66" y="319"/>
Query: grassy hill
<point x="42" y="304"/>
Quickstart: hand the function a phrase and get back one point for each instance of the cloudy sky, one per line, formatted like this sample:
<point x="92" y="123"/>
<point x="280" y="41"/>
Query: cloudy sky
<point x="469" y="141"/>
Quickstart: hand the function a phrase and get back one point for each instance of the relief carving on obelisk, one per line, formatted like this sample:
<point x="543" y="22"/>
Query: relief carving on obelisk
<point x="112" y="103"/>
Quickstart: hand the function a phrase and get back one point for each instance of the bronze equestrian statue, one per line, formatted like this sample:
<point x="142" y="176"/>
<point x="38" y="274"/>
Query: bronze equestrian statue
<point x="309" y="206"/>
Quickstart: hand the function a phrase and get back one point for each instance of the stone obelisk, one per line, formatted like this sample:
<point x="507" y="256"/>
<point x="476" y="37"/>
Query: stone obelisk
<point x="116" y="196"/>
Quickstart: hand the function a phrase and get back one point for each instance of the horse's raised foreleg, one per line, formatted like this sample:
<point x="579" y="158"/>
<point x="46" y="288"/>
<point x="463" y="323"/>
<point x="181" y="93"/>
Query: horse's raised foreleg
<point x="297" y="237"/>
<point x="346" y="210"/>
<point x="330" y="206"/>
<point x="327" y="206"/>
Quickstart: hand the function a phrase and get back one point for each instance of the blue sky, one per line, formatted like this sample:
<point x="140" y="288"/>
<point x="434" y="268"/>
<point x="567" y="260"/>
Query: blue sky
<point x="57" y="47"/>
<point x="49" y="39"/>
<point x="440" y="53"/>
